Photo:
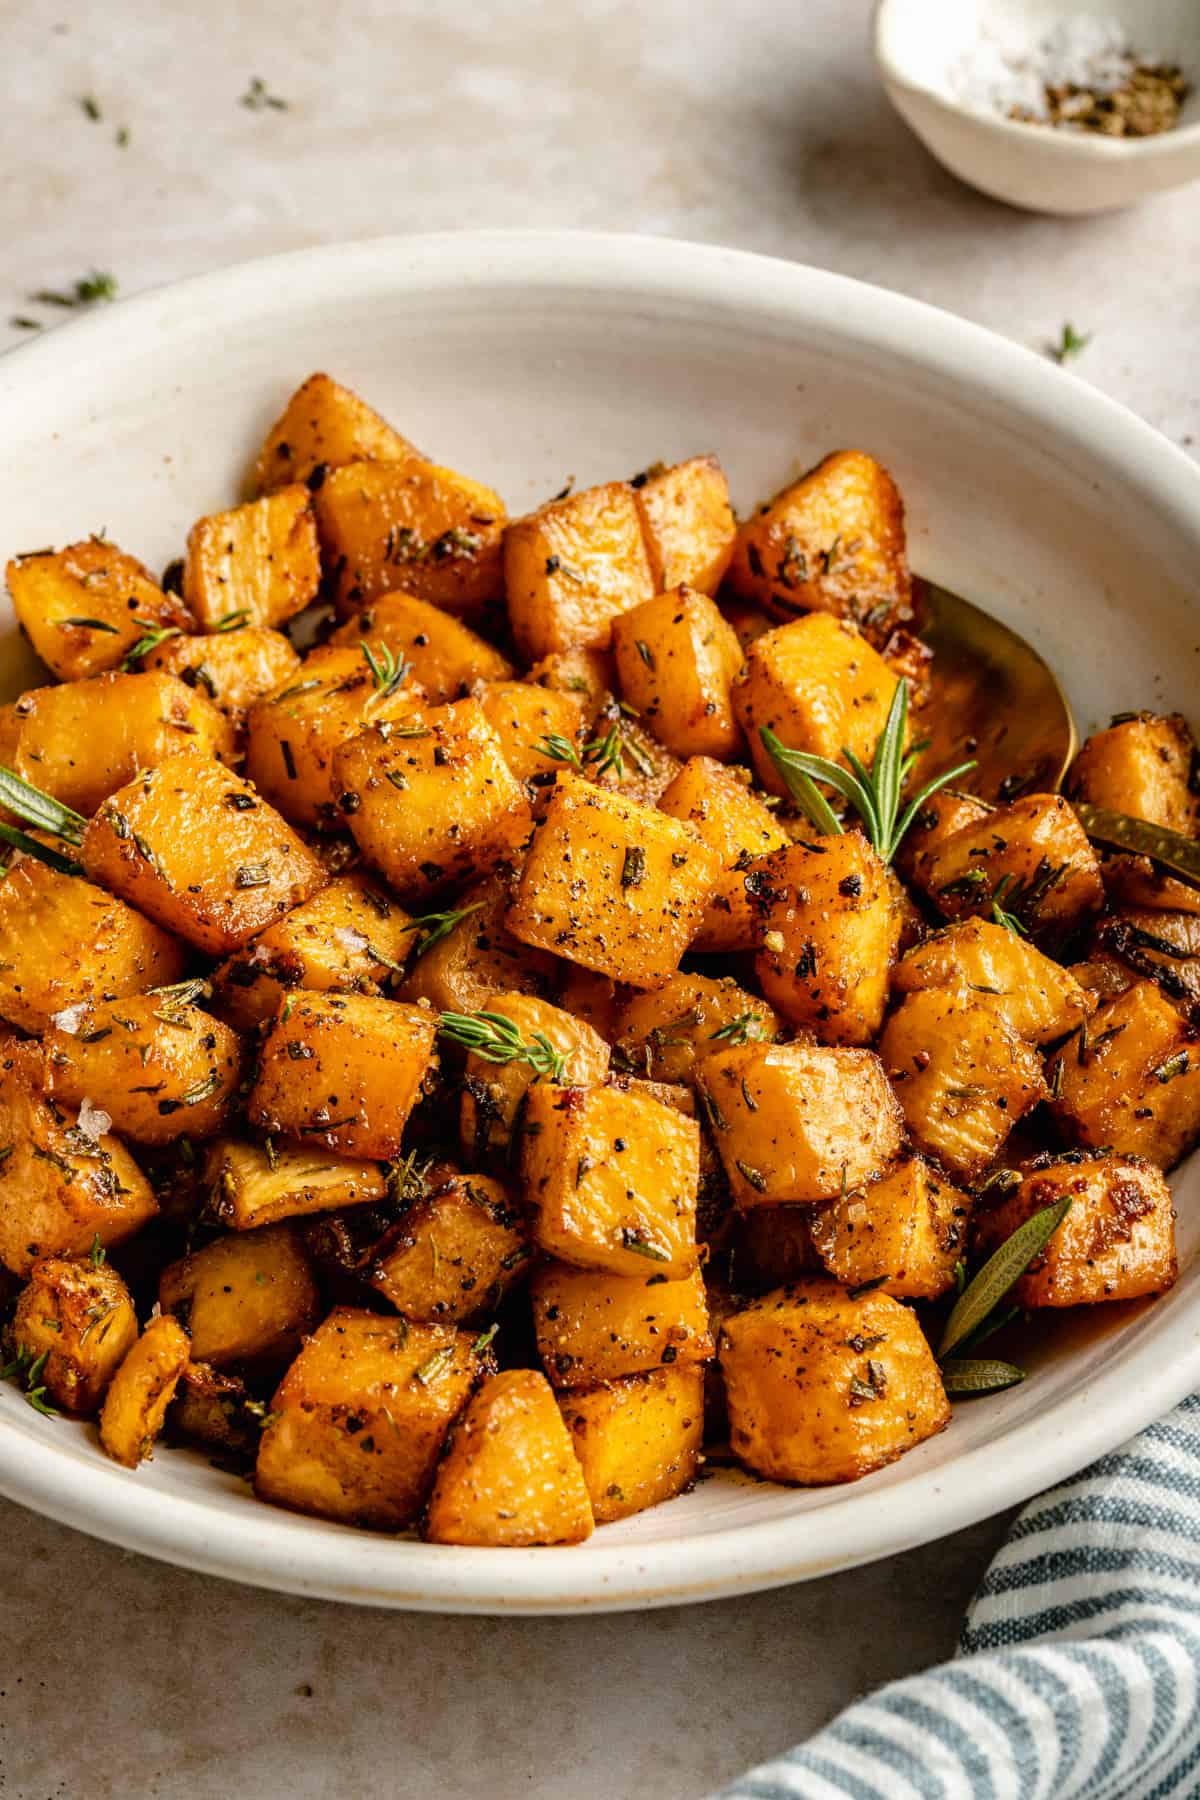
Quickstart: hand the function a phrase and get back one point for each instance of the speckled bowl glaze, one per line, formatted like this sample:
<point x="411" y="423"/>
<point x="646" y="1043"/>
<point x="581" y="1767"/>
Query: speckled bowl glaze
<point x="522" y="359"/>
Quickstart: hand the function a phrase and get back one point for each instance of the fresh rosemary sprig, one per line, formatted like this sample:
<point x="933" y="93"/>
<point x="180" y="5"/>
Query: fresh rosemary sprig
<point x="27" y="1369"/>
<point x="434" y="926"/>
<point x="154" y="635"/>
<point x="977" y="1313"/>
<point x="39" y="809"/>
<point x="875" y="794"/>
<point x="746" y="1027"/>
<point x="496" y="1039"/>
<point x="601" y="755"/>
<point x="389" y="672"/>
<point x="1023" y="898"/>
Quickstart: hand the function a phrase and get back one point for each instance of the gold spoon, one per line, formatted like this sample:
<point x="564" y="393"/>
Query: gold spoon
<point x="994" y="698"/>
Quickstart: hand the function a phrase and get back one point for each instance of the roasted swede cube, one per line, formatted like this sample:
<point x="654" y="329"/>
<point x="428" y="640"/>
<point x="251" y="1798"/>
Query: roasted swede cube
<point x="466" y="954"/>
<point x="611" y="1177"/>
<point x="252" y="1184"/>
<point x="258" y="561"/>
<point x="823" y="1386"/>
<point x="638" y="1440"/>
<point x="234" y="667"/>
<point x="135" y="1406"/>
<point x="413" y="526"/>
<point x="1116" y="1242"/>
<point x="453" y="1253"/>
<point x="350" y="938"/>
<point x="343" y="1071"/>
<point x="292" y="735"/>
<point x="1031" y="858"/>
<point x="571" y="567"/>
<point x="962" y="1075"/>
<point x="62" y="1187"/>
<point x="83" y="740"/>
<point x="676" y="661"/>
<point x="1131" y="1079"/>
<point x="245" y="1298"/>
<point x="829" y="933"/>
<point x="688" y="522"/>
<point x="905" y="1232"/>
<point x="358" y="1422"/>
<point x="593" y="1327"/>
<point x="831" y="542"/>
<point x="734" y="822"/>
<point x="156" y="1064"/>
<point x="612" y="885"/>
<point x="588" y="674"/>
<point x="431" y="801"/>
<point x="78" y="1314"/>
<point x="819" y="686"/>
<point x="445" y="657"/>
<point x="1040" y="999"/>
<point x="1163" y="946"/>
<point x="63" y="942"/>
<point x="194" y="847"/>
<point x="325" y="425"/>
<point x="1142" y="765"/>
<point x="528" y="720"/>
<point x="493" y="1092"/>
<point x="774" y="1245"/>
<point x="84" y="608"/>
<point x="941" y="815"/>
<point x="661" y="1034"/>
<point x="798" y="1121"/>
<point x="510" y="1476"/>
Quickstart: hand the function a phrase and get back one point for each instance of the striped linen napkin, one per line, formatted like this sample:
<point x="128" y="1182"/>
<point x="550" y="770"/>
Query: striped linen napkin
<point x="1077" y="1675"/>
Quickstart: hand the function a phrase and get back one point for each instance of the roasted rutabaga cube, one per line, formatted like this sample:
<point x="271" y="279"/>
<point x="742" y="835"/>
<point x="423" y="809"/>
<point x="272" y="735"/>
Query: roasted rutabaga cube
<point x="819" y="686"/>
<point x="464" y="955"/>
<point x="78" y="1313"/>
<point x="676" y="661"/>
<point x="905" y="1232"/>
<point x="798" y="1121"/>
<point x="688" y="523"/>
<point x="613" y="885"/>
<point x="735" y="823"/>
<point x="258" y="561"/>
<point x="1116" y="1242"/>
<point x="1040" y="999"/>
<point x="639" y="1439"/>
<point x="1141" y="766"/>
<point x="195" y="848"/>
<point x="454" y="1252"/>
<point x="64" y="942"/>
<point x="823" y="1385"/>
<point x="64" y="1183"/>
<point x="571" y="567"/>
<point x="430" y="800"/>
<point x="444" y="656"/>
<point x="358" y="1422"/>
<point x="1165" y="946"/>
<point x="135" y="1406"/>
<point x="245" y="1298"/>
<point x="525" y="717"/>
<point x="259" y="1184"/>
<point x="1031" y="858"/>
<point x="156" y="1064"/>
<point x="962" y="1075"/>
<point x="83" y="740"/>
<point x="829" y="930"/>
<point x="594" y="1327"/>
<point x="234" y="667"/>
<point x="325" y="425"/>
<point x="831" y="542"/>
<point x="84" y="608"/>
<point x="510" y="1475"/>
<point x="414" y="526"/>
<point x="611" y="1177"/>
<point x="493" y="1092"/>
<point x="343" y="1071"/>
<point x="1131" y="1079"/>
<point x="773" y="1245"/>
<point x="663" y="1033"/>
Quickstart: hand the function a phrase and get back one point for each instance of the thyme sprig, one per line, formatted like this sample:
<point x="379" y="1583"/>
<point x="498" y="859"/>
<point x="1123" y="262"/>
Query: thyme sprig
<point x="388" y="670"/>
<point x="876" y="794"/>
<point x="434" y="926"/>
<point x="27" y="1369"/>
<point x="496" y="1039"/>
<point x="601" y="755"/>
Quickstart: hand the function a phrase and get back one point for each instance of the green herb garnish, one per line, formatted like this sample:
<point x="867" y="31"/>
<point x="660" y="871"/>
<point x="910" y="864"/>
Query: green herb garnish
<point x="496" y="1039"/>
<point x="434" y="926"/>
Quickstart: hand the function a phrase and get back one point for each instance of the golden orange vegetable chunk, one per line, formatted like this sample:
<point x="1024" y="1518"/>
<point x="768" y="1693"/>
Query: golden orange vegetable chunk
<point x="84" y="608"/>
<point x="245" y="1298"/>
<point x="571" y="567"/>
<point x="141" y="1390"/>
<point x="906" y="1231"/>
<point x="325" y="425"/>
<point x="676" y="661"/>
<point x="594" y="1327"/>
<point x="1131" y="1080"/>
<point x="259" y="562"/>
<point x="76" y="1312"/>
<point x="689" y="524"/>
<point x="638" y="1440"/>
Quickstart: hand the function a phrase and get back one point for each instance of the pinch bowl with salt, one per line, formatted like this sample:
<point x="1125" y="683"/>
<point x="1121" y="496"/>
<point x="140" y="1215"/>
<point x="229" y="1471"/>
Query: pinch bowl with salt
<point x="1044" y="104"/>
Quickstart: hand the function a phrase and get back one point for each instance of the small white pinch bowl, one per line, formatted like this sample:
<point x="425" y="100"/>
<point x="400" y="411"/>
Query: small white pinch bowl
<point x="1039" y="167"/>
<point x="523" y="358"/>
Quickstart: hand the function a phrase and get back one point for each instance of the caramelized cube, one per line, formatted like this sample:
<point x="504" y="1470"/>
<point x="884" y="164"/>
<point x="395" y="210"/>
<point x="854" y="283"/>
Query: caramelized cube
<point x="638" y="1440"/>
<point x="1133" y="1080"/>
<point x="466" y="955"/>
<point x="79" y="1315"/>
<point x="233" y="668"/>
<point x="84" y="608"/>
<point x="663" y="1033"/>
<point x="571" y="567"/>
<point x="593" y="1327"/>
<point x="251" y="1185"/>
<point x="524" y="717"/>
<point x="323" y="426"/>
<point x="1032" y="858"/>
<point x="906" y="1232"/>
<point x="453" y="1253"/>
<point x="248" y="1297"/>
<point x="1141" y="766"/>
<point x="735" y="823"/>
<point x="260" y="560"/>
<point x="493" y="1093"/>
<point x="676" y="661"/>
<point x="1040" y="999"/>
<point x="689" y="524"/>
<point x="445" y="657"/>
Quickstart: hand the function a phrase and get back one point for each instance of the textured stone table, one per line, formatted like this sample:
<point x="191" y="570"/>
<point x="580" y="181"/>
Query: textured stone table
<point x="749" y="124"/>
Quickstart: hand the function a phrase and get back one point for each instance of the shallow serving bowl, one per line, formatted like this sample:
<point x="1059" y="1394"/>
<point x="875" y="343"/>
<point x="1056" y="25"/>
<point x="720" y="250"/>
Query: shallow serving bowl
<point x="524" y="359"/>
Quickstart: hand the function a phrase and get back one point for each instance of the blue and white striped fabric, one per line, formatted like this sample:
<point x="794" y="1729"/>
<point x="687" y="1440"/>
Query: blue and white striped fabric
<point x="1078" y="1669"/>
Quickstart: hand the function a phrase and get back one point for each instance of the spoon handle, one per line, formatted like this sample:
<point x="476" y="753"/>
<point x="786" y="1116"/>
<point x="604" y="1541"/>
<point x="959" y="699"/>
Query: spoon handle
<point x="1170" y="848"/>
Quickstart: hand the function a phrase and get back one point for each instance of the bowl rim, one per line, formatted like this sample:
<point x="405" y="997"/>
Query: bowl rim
<point x="1068" y="146"/>
<point x="1152" y="1368"/>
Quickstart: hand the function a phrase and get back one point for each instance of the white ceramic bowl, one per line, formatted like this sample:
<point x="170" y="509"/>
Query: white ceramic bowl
<point x="918" y="43"/>
<point x="524" y="359"/>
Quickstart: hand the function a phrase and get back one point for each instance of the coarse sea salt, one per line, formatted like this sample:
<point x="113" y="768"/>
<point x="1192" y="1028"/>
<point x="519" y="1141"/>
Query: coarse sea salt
<point x="1006" y="74"/>
<point x="94" y="1122"/>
